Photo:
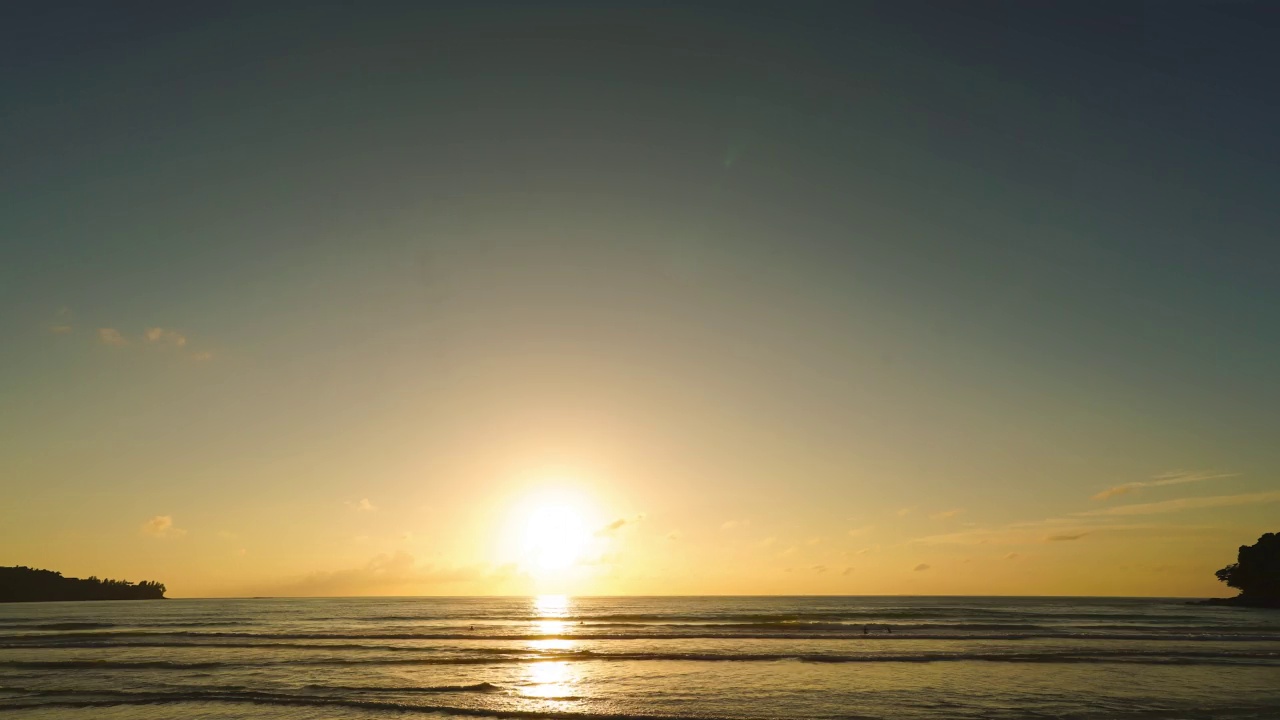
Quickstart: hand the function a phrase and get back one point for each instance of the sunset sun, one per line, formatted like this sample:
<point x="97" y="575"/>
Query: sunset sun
<point x="555" y="536"/>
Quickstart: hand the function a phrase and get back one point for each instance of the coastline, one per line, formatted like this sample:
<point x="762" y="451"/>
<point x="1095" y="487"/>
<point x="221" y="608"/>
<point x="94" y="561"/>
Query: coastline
<point x="1241" y="601"/>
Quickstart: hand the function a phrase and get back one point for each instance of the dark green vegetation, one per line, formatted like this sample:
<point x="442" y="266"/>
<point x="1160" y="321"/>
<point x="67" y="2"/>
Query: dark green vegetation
<point x="24" y="584"/>
<point x="1255" y="573"/>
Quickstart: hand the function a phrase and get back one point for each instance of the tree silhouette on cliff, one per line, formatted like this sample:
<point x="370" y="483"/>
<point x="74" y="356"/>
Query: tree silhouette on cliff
<point x="1256" y="571"/>
<point x="24" y="584"/>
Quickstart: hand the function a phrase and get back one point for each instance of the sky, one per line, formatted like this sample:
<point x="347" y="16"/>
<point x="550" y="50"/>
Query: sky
<point x="649" y="298"/>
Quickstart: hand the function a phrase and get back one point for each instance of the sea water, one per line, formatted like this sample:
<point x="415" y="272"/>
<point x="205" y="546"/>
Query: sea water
<point x="903" y="658"/>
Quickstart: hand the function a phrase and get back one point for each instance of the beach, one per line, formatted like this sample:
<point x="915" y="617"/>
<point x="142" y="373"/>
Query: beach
<point x="695" y="657"/>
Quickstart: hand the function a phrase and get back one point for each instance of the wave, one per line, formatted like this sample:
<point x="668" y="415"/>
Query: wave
<point x="482" y="687"/>
<point x="1066" y="657"/>
<point x="23" y="624"/>
<point x="66" y="626"/>
<point x="109" y="698"/>
<point x="852" y="615"/>
<point x="944" y="632"/>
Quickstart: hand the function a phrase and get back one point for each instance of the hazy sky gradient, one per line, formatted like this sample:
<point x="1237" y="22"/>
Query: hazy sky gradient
<point x="818" y="298"/>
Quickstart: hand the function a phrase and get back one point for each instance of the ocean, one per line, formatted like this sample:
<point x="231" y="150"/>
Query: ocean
<point x="900" y="658"/>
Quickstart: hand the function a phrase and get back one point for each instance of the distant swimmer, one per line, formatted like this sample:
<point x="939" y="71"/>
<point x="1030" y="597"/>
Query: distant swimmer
<point x="888" y="629"/>
<point x="864" y="630"/>
<point x="473" y="627"/>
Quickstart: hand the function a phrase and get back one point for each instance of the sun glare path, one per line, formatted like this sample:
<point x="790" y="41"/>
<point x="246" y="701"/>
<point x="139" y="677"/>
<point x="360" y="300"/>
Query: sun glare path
<point x="550" y="611"/>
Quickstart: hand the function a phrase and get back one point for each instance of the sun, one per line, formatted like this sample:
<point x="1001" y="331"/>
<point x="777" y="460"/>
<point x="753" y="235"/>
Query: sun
<point x="556" y="536"/>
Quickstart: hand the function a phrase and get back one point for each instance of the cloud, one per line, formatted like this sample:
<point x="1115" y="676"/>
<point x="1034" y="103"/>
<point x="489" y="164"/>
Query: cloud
<point x="161" y="526"/>
<point x="201" y="356"/>
<point x="865" y="550"/>
<point x="1117" y="490"/>
<point x="361" y="505"/>
<point x="1059" y="529"/>
<point x="813" y="540"/>
<point x="674" y="535"/>
<point x="732" y="524"/>
<point x="169" y="337"/>
<point x="618" y="524"/>
<point x="906" y="511"/>
<point x="947" y="514"/>
<point x="382" y="575"/>
<point x="860" y="531"/>
<point x="820" y="569"/>
<point x="1174" y="478"/>
<point x="767" y="542"/>
<point x="920" y="568"/>
<point x="60" y="329"/>
<point x="611" y="527"/>
<point x="111" y="336"/>
<point x="846" y="571"/>
<point x="1192" y="503"/>
<point x="1011" y="556"/>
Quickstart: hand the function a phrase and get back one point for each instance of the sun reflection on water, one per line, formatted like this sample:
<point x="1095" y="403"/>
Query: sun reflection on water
<point x="551" y="605"/>
<point x="551" y="611"/>
<point x="551" y="680"/>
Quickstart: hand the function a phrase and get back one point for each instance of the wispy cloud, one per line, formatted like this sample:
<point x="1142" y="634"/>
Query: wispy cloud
<point x="846" y="571"/>
<point x="384" y="574"/>
<point x="1012" y="556"/>
<point x="1192" y="503"/>
<point x="947" y="514"/>
<point x="733" y="524"/>
<point x="820" y="569"/>
<point x="161" y="526"/>
<point x="361" y="505"/>
<point x="921" y="567"/>
<point x="111" y="336"/>
<point x="1173" y="478"/>
<point x="166" y="336"/>
<point x="1062" y="529"/>
<point x="905" y="511"/>
<point x="617" y="525"/>
<point x="674" y="535"/>
<point x="860" y="531"/>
